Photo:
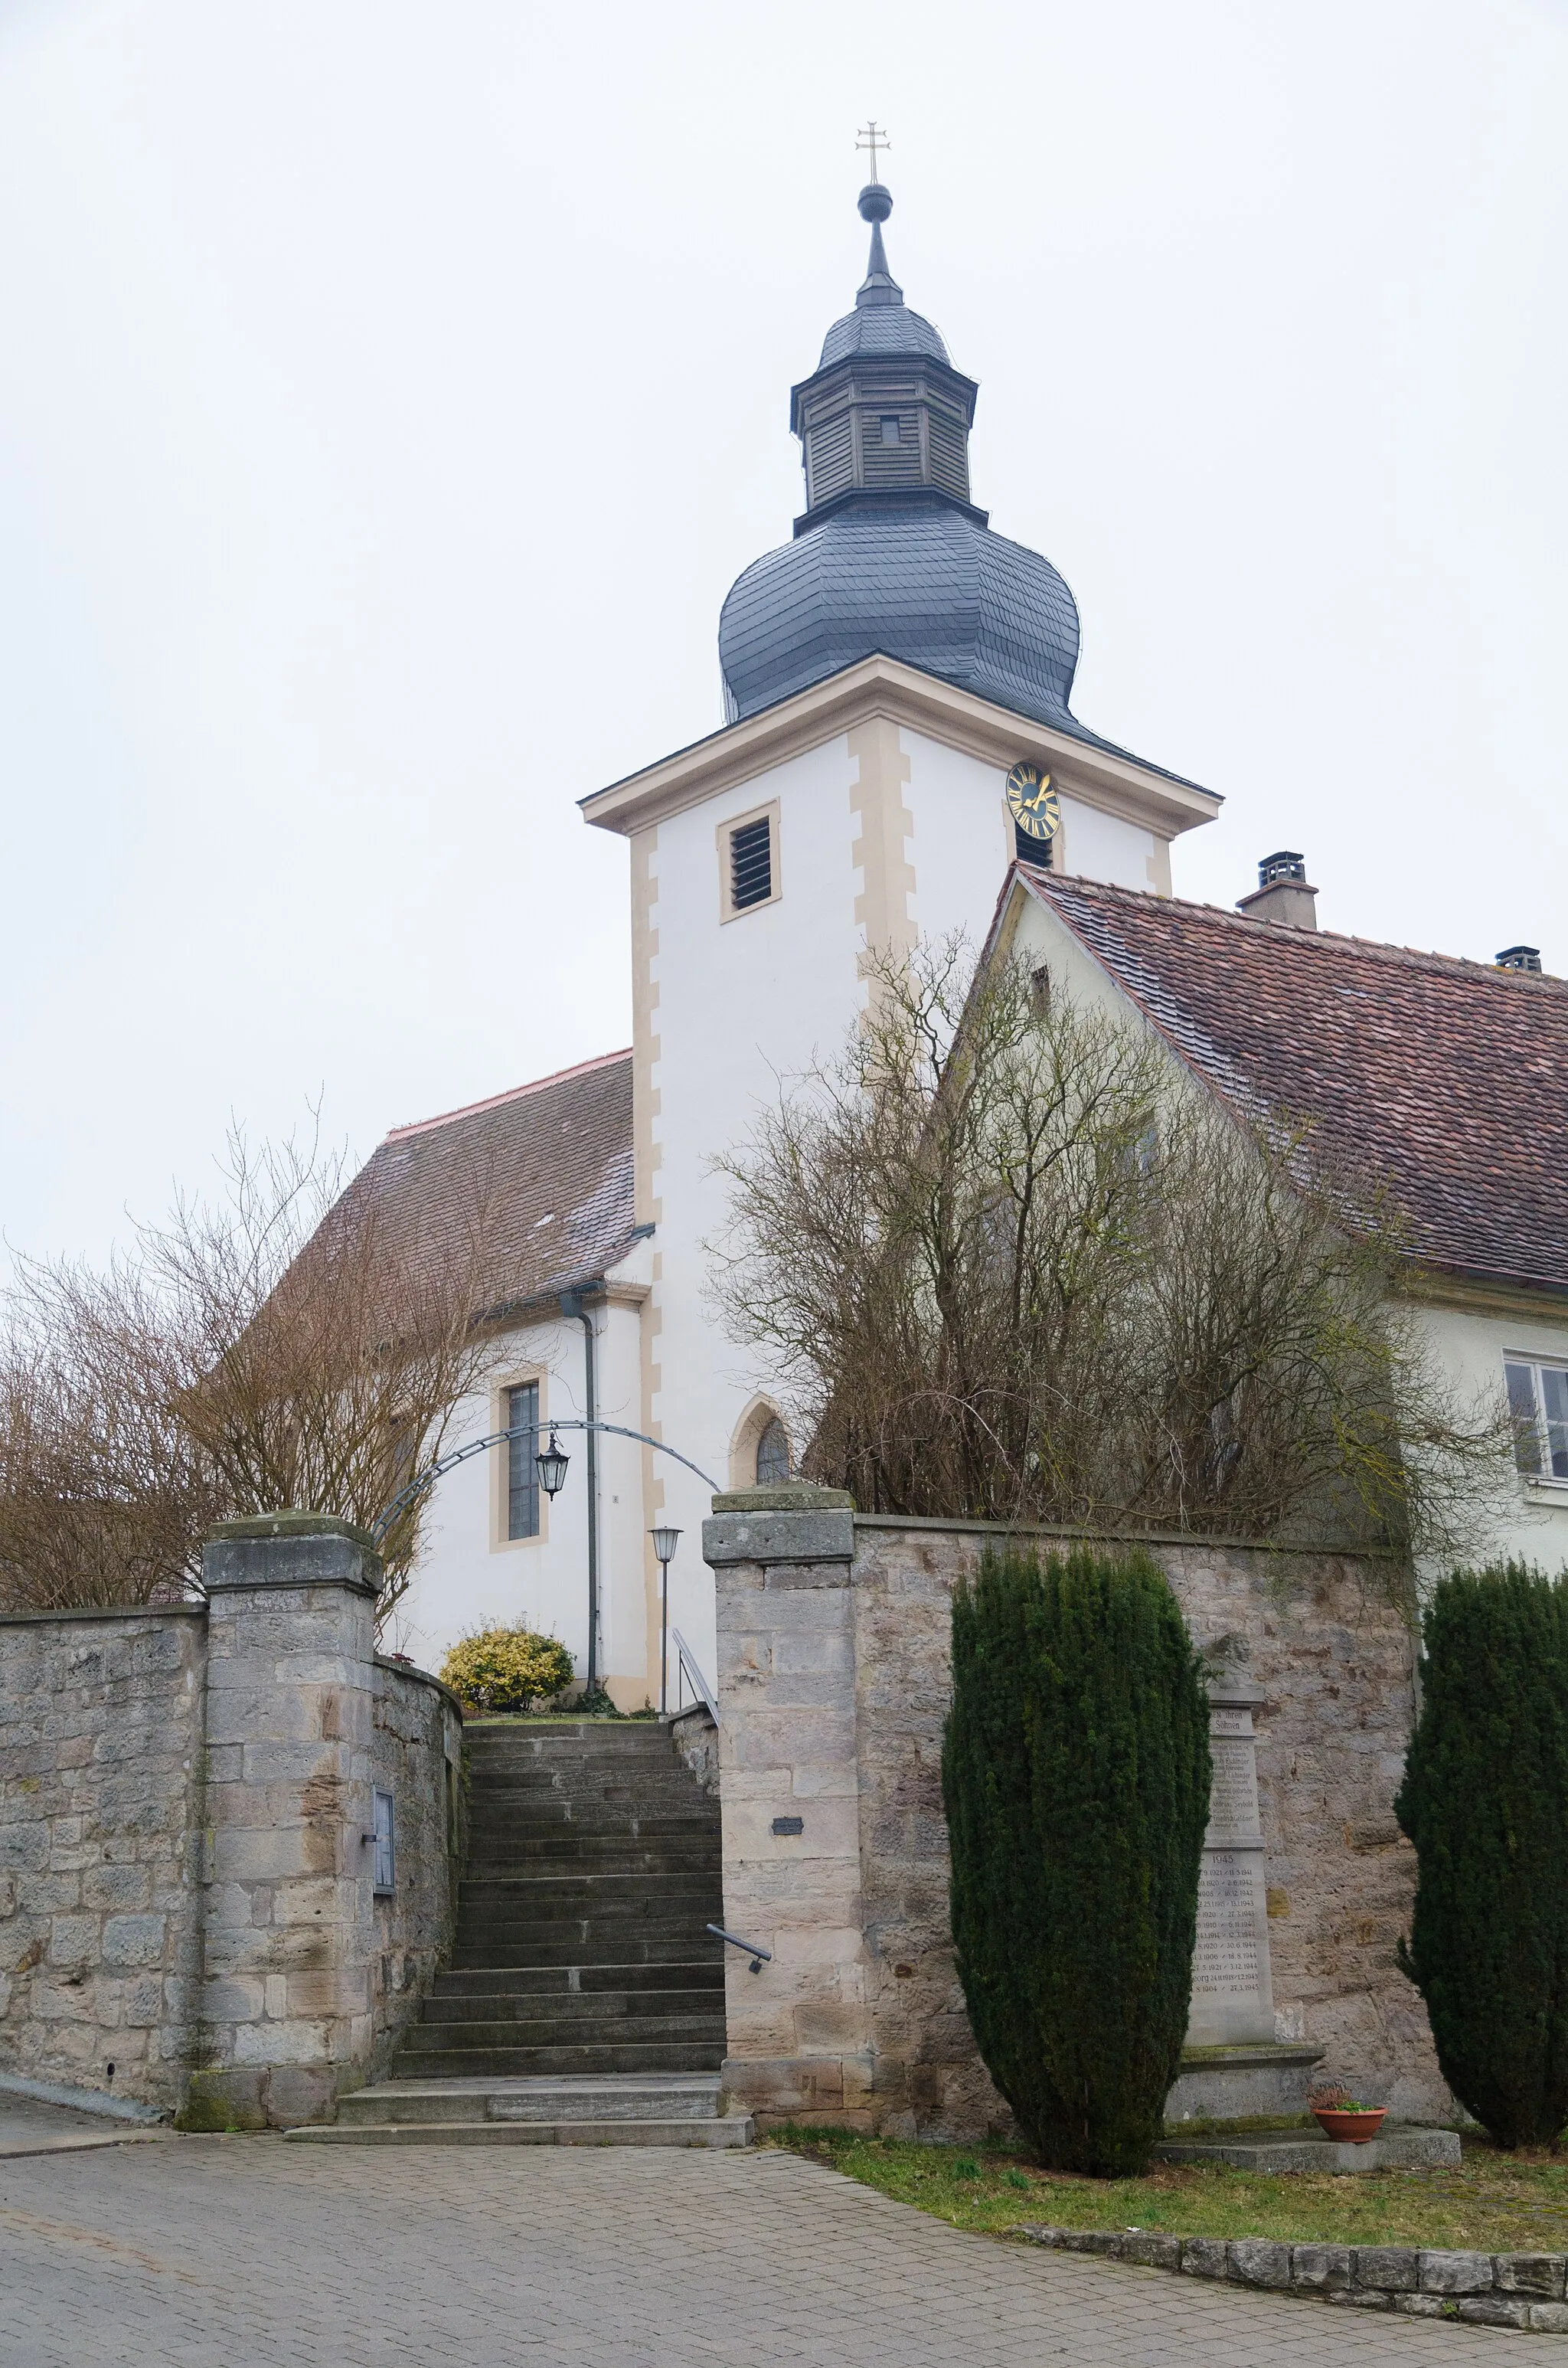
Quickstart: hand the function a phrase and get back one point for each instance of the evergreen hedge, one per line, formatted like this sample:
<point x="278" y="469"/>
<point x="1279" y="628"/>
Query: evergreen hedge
<point x="1485" y="1801"/>
<point x="1075" y="1773"/>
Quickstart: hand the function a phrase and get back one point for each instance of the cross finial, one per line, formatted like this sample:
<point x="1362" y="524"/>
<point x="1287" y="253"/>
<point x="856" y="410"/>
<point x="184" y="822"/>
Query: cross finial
<point x="873" y="140"/>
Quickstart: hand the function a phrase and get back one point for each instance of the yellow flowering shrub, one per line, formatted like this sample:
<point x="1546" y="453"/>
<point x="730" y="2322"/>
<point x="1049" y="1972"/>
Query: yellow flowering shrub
<point x="494" y="1669"/>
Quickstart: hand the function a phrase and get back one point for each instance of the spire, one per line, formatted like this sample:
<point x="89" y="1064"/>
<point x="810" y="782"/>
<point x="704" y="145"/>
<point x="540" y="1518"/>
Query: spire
<point x="879" y="286"/>
<point x="884" y="418"/>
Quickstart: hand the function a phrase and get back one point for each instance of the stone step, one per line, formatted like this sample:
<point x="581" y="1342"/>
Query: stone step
<point x="589" y="1826"/>
<point x="600" y="1855"/>
<point x="528" y="2008"/>
<point x="448" y="2035"/>
<point x="681" y="2108"/>
<point x="529" y="1952"/>
<point x="652" y="1798"/>
<point x="604" y="1918"/>
<point x="728" y="2130"/>
<point x="1310" y="2153"/>
<point x="574" y="1883"/>
<point x="553" y="1751"/>
<point x="585" y="1824"/>
<point x="502" y="2063"/>
<point x="690" y="1973"/>
<point x="689" y="1911"/>
<point x="581" y="1949"/>
<point x="596" y="2097"/>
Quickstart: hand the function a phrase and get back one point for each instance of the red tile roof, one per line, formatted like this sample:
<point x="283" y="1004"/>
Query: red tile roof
<point x="1447" y="1078"/>
<point x="551" y="1162"/>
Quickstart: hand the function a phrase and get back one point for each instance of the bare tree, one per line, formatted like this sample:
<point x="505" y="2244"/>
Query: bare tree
<point x="1010" y="1262"/>
<point x="287" y="1344"/>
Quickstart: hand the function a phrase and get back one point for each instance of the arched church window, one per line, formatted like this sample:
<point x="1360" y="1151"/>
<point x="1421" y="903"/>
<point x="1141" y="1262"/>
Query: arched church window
<point x="772" y="1456"/>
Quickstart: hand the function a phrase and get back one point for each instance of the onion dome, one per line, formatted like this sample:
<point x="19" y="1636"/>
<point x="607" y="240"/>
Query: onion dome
<point x="890" y="554"/>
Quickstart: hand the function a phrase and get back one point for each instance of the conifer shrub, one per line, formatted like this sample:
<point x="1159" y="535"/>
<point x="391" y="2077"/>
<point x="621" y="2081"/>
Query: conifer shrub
<point x="1075" y="1773"/>
<point x="1485" y="1801"/>
<point x="506" y="1669"/>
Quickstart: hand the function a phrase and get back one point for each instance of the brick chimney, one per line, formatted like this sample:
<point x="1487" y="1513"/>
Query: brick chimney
<point x="1282" y="895"/>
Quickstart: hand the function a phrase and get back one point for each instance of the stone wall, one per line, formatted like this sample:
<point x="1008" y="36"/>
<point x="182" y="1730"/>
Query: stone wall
<point x="189" y="1913"/>
<point x="416" y="1756"/>
<point x="835" y="1682"/>
<point x="100" y="1827"/>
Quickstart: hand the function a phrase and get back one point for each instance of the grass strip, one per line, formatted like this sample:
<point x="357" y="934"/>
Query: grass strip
<point x="1493" y="2203"/>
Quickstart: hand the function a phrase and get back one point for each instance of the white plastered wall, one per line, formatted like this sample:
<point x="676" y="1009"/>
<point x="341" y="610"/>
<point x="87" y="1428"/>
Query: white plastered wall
<point x="741" y="1007"/>
<point x="472" y="1575"/>
<point x="1469" y="1344"/>
<point x="962" y="840"/>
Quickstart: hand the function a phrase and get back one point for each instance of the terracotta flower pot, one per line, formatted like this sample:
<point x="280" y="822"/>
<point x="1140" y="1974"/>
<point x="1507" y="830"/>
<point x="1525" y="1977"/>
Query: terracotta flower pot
<point x="1349" y="2129"/>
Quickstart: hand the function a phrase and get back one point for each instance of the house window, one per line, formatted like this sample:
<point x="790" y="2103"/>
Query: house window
<point x="890" y="427"/>
<point x="522" y="1469"/>
<point x="384" y="1873"/>
<point x="772" y="1456"/>
<point x="748" y="863"/>
<point x="1537" y="1400"/>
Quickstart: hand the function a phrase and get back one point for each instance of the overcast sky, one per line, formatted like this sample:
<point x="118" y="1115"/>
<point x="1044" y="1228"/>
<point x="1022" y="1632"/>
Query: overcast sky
<point x="390" y="389"/>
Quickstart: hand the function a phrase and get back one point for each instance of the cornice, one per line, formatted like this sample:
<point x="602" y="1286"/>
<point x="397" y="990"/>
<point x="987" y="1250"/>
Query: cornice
<point x="1473" y="1293"/>
<point x="881" y="685"/>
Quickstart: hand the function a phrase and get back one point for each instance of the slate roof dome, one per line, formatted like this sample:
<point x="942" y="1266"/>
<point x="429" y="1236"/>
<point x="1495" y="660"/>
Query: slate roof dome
<point x="890" y="554"/>
<point x="921" y="582"/>
<point x="881" y="329"/>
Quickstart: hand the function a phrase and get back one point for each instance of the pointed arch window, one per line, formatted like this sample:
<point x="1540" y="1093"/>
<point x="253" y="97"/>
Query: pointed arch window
<point x="772" y="1455"/>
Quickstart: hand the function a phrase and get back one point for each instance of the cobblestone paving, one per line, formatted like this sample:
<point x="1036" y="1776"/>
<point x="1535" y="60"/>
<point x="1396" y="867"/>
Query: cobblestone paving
<point x="225" y="2252"/>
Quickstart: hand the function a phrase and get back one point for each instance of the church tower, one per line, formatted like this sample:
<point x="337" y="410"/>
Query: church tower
<point x="897" y="679"/>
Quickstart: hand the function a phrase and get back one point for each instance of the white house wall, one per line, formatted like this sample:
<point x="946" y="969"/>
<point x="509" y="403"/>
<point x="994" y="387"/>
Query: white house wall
<point x="1468" y="1346"/>
<point x="472" y="1576"/>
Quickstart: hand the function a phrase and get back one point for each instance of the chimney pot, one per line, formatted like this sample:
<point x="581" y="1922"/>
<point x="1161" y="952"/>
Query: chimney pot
<point x="1519" y="958"/>
<point x="1282" y="895"/>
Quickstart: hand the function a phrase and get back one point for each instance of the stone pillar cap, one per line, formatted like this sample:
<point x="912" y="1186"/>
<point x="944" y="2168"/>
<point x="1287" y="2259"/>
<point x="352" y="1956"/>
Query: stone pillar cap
<point x="291" y="1550"/>
<point x="293" y="1525"/>
<point x="798" y="1498"/>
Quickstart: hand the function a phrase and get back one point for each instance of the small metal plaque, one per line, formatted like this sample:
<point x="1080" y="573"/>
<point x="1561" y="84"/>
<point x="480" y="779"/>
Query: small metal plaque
<point x="789" y="1825"/>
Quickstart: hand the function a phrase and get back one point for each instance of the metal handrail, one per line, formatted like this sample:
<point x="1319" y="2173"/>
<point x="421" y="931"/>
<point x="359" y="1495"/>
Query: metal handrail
<point x="688" y="1663"/>
<point x="759" y="1955"/>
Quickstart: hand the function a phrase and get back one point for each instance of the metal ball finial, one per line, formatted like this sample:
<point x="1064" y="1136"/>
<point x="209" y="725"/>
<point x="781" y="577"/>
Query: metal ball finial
<point x="875" y="202"/>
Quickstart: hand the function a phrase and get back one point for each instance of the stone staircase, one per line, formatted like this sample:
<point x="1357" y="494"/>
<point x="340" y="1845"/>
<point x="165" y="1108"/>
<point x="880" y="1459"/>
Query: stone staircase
<point x="584" y="2003"/>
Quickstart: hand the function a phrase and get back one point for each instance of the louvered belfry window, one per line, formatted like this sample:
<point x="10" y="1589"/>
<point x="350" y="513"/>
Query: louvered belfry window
<point x="751" y="863"/>
<point x="522" y="1470"/>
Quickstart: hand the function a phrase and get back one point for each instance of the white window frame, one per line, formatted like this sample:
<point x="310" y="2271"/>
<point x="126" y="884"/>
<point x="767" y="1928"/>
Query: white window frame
<point x="1546" y="1424"/>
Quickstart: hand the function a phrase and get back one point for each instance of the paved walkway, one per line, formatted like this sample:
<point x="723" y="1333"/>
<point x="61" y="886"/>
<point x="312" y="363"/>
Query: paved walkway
<point x="29" y="2127"/>
<point x="243" y="2252"/>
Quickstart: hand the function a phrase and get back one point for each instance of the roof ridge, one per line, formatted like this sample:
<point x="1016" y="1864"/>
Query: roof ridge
<point x="512" y="1094"/>
<point x="1112" y="892"/>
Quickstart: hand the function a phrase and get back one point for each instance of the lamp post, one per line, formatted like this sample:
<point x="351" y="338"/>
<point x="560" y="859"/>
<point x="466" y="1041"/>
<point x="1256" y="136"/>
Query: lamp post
<point x="664" y="1542"/>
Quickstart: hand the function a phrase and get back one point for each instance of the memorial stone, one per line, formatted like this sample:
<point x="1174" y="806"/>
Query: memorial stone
<point x="1233" y="1991"/>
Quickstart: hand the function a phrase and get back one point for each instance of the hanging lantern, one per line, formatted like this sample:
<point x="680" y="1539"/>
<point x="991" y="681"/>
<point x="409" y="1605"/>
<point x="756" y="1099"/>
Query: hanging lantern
<point x="552" y="1462"/>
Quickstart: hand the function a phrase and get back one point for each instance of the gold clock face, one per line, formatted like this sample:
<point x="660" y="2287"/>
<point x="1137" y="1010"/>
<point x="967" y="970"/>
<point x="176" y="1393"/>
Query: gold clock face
<point x="1033" y="802"/>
